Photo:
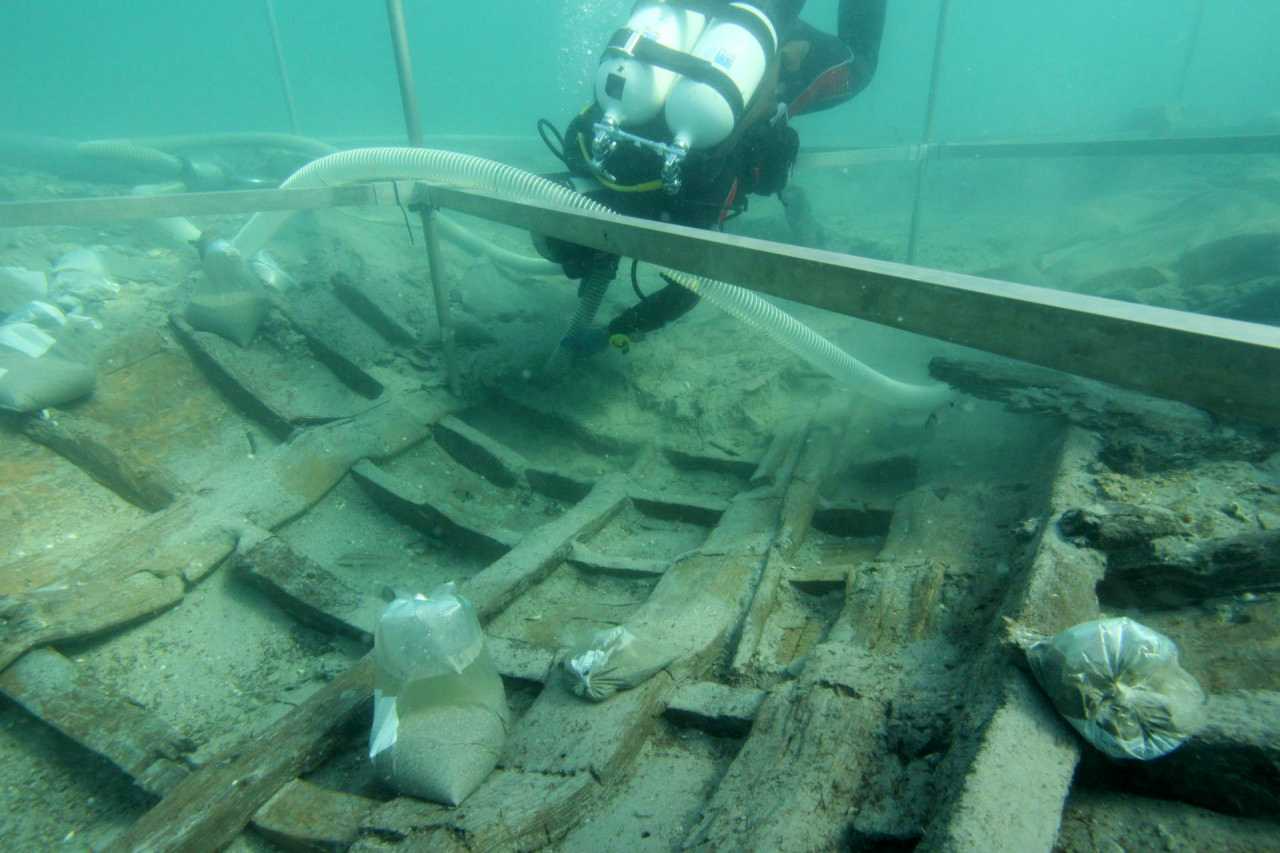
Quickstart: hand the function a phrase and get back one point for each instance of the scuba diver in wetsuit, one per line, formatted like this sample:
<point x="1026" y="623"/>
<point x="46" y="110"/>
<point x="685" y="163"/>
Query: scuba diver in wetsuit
<point x="692" y="114"/>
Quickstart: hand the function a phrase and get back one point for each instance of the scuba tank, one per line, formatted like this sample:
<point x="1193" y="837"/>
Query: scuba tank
<point x="702" y="112"/>
<point x="631" y="91"/>
<point x="699" y="68"/>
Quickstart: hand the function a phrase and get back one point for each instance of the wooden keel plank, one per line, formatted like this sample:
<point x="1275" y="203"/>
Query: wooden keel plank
<point x="821" y="762"/>
<point x="1058" y="592"/>
<point x="817" y="452"/>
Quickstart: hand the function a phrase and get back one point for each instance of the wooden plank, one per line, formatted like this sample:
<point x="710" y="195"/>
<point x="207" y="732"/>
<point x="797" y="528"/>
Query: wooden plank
<point x="61" y="694"/>
<point x="430" y="506"/>
<point x="1231" y="765"/>
<point x="303" y="816"/>
<point x="309" y="591"/>
<point x="82" y="442"/>
<point x="210" y="807"/>
<point x="486" y="456"/>
<point x="1190" y="146"/>
<point x="541" y="550"/>
<point x="817" y="451"/>
<point x="144" y="570"/>
<point x="1058" y="592"/>
<point x="314" y="595"/>
<point x="715" y="708"/>
<point x="734" y="466"/>
<point x="236" y="387"/>
<point x="1142" y="433"/>
<point x="1177" y="573"/>
<point x="826" y="762"/>
<point x="694" y="509"/>
<point x="609" y="564"/>
<point x="383" y="320"/>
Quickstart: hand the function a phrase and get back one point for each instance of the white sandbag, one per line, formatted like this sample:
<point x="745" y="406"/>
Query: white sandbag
<point x="81" y="274"/>
<point x="440" y="711"/>
<point x="30" y="384"/>
<point x="18" y="286"/>
<point x="230" y="299"/>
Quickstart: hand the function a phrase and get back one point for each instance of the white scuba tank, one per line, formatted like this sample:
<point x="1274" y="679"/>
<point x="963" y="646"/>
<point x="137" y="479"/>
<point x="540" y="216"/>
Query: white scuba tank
<point x="697" y="114"/>
<point x="632" y="92"/>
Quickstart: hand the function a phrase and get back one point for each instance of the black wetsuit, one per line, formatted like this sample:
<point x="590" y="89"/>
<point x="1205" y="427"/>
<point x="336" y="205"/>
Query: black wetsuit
<point x="816" y="71"/>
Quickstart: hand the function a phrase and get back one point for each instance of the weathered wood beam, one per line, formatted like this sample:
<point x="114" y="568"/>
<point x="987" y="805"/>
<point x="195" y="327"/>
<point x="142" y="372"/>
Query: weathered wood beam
<point x="63" y="695"/>
<point x="210" y="807"/>
<point x="82" y="442"/>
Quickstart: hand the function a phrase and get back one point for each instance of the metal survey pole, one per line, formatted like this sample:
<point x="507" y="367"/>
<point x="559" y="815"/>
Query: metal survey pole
<point x="404" y="69"/>
<point x="413" y="124"/>
<point x="1193" y="41"/>
<point x="280" y="66"/>
<point x="922" y="164"/>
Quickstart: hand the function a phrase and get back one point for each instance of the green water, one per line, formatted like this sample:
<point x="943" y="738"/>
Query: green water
<point x="96" y="68"/>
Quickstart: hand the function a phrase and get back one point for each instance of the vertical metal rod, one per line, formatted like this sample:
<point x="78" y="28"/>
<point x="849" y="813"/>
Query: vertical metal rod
<point x="930" y="116"/>
<point x="1193" y="41"/>
<point x="413" y="125"/>
<point x="404" y="69"/>
<point x="441" y="291"/>
<point x="281" y="67"/>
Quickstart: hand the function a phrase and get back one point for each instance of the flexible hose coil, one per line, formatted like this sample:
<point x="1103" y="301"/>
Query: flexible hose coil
<point x="477" y="173"/>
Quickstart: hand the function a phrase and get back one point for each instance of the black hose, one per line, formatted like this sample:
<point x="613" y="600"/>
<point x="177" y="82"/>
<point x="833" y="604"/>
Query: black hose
<point x="557" y="150"/>
<point x="635" y="283"/>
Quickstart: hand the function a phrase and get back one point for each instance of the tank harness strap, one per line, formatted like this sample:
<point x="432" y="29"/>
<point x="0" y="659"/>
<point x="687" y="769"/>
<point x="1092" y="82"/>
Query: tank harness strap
<point x="631" y="43"/>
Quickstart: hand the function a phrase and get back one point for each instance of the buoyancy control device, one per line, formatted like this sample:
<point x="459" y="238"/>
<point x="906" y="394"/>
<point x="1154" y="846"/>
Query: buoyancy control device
<point x="699" y="64"/>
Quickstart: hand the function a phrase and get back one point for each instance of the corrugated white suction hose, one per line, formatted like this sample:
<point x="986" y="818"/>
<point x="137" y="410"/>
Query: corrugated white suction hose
<point x="468" y="172"/>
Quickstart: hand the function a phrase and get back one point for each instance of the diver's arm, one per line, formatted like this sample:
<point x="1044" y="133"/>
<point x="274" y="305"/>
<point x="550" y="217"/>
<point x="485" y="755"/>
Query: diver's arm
<point x="860" y="25"/>
<point x="820" y="70"/>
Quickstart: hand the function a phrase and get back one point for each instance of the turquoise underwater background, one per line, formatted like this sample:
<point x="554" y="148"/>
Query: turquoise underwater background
<point x="95" y="68"/>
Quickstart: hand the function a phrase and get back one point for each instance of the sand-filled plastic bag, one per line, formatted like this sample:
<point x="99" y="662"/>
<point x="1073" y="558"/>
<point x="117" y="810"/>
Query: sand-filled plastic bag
<point x="440" y="715"/>
<point x="230" y="300"/>
<point x="614" y="660"/>
<point x="18" y="286"/>
<point x="45" y="358"/>
<point x="1120" y="685"/>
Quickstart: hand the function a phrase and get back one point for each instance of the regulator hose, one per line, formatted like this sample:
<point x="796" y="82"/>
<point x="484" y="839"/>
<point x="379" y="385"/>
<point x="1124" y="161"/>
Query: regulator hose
<point x="476" y="173"/>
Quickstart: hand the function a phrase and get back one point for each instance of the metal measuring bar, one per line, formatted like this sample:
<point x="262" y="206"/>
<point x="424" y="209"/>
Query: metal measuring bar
<point x="835" y="158"/>
<point x="105" y="210"/>
<point x="1225" y="366"/>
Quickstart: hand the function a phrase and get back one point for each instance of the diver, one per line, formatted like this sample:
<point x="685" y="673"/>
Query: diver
<point x="692" y="114"/>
